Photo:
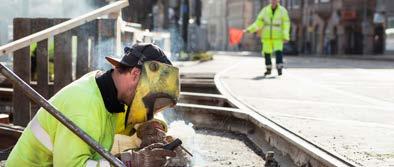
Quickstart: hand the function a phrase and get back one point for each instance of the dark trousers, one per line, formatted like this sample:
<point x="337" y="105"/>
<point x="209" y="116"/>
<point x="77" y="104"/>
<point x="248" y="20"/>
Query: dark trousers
<point x="278" y="58"/>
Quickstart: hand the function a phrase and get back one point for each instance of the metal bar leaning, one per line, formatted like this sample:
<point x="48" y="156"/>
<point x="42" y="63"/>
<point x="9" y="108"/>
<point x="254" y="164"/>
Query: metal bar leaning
<point x="36" y="97"/>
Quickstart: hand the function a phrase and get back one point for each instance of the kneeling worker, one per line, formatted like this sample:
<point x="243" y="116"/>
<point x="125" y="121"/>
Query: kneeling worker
<point x="102" y="104"/>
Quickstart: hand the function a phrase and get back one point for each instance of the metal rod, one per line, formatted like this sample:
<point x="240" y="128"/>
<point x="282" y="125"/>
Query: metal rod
<point x="36" y="97"/>
<point x="62" y="27"/>
<point x="187" y="151"/>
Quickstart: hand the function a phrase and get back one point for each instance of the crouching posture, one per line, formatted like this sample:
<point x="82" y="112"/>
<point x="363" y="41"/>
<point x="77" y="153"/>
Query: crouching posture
<point x="102" y="104"/>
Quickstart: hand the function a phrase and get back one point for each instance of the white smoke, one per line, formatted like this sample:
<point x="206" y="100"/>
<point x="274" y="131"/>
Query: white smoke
<point x="103" y="48"/>
<point x="10" y="9"/>
<point x="183" y="131"/>
<point x="186" y="133"/>
<point x="44" y="8"/>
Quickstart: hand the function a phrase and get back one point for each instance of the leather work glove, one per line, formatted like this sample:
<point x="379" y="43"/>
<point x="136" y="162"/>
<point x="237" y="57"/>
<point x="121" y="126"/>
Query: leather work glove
<point x="151" y="156"/>
<point x="151" y="132"/>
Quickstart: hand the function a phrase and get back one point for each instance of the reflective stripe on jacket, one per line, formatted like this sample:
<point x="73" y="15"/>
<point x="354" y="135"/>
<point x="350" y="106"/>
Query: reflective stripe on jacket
<point x="46" y="142"/>
<point x="274" y="26"/>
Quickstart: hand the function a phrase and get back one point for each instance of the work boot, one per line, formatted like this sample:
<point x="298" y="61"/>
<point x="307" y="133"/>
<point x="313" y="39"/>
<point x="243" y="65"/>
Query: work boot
<point x="268" y="72"/>
<point x="279" y="67"/>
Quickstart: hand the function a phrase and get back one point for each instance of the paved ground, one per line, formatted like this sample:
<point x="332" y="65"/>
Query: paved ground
<point x="344" y="105"/>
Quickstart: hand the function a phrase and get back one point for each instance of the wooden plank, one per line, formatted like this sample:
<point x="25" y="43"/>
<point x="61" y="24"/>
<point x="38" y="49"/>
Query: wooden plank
<point x="65" y="26"/>
<point x="63" y="58"/>
<point x="9" y="135"/>
<point x="6" y="94"/>
<point x="40" y="24"/>
<point x="4" y="118"/>
<point x="93" y="53"/>
<point x="93" y="41"/>
<point x="106" y="42"/>
<point x="95" y="45"/>
<point x="82" y="50"/>
<point x="4" y="82"/>
<point x="11" y="130"/>
<point x="42" y="57"/>
<point x="21" y="104"/>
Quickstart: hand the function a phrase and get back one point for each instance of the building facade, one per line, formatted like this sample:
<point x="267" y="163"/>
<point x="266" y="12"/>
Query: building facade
<point x="214" y="18"/>
<point x="384" y="17"/>
<point x="321" y="27"/>
<point x="220" y="15"/>
<point x="337" y="26"/>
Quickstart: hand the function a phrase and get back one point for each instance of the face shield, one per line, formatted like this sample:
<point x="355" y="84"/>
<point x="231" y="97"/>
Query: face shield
<point x="157" y="89"/>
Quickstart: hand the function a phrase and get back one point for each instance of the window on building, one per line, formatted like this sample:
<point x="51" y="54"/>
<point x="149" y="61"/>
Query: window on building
<point x="284" y="3"/>
<point x="322" y="1"/>
<point x="296" y="4"/>
<point x="390" y="23"/>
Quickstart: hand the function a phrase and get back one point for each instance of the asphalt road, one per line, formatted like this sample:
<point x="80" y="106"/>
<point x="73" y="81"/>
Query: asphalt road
<point x="344" y="105"/>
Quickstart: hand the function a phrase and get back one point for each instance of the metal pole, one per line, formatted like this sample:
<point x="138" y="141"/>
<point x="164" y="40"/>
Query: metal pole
<point x="36" y="97"/>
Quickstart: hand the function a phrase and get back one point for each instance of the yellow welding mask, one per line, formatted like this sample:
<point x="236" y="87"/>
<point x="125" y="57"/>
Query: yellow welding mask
<point x="157" y="89"/>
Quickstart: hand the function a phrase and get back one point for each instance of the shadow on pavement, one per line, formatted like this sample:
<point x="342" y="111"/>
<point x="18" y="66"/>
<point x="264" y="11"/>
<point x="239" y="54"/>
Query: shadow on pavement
<point x="263" y="77"/>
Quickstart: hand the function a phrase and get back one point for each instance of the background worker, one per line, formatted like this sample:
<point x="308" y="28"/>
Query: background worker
<point x="273" y="21"/>
<point x="96" y="103"/>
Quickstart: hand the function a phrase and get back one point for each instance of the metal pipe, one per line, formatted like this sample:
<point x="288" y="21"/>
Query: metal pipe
<point x="36" y="97"/>
<point x="187" y="151"/>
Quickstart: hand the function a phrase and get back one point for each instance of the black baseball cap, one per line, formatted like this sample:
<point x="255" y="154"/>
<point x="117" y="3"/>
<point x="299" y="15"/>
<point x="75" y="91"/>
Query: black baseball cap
<point x="138" y="54"/>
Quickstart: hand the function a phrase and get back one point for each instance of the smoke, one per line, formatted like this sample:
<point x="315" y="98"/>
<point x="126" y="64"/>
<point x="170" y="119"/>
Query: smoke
<point x="101" y="50"/>
<point x="44" y="8"/>
<point x="176" y="43"/>
<point x="185" y="132"/>
<point x="10" y="9"/>
<point x="178" y="128"/>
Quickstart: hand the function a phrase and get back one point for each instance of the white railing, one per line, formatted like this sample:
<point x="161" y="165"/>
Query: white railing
<point x="33" y="95"/>
<point x="62" y="27"/>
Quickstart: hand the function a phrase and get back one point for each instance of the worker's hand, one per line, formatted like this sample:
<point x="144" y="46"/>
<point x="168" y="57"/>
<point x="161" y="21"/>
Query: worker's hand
<point x="285" y="41"/>
<point x="169" y="139"/>
<point x="244" y="30"/>
<point x="151" y="156"/>
<point x="177" y="150"/>
<point x="151" y="132"/>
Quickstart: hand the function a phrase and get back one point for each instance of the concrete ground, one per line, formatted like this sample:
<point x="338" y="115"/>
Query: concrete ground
<point x="344" y="105"/>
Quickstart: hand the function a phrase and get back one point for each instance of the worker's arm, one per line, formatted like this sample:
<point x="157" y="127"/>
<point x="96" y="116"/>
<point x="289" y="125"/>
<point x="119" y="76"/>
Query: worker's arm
<point x="285" y="26"/>
<point x="258" y="24"/>
<point x="69" y="149"/>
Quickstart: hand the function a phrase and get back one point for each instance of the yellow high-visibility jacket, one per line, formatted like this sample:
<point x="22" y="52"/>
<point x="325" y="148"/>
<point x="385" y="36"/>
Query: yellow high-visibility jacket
<point x="46" y="142"/>
<point x="275" y="27"/>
